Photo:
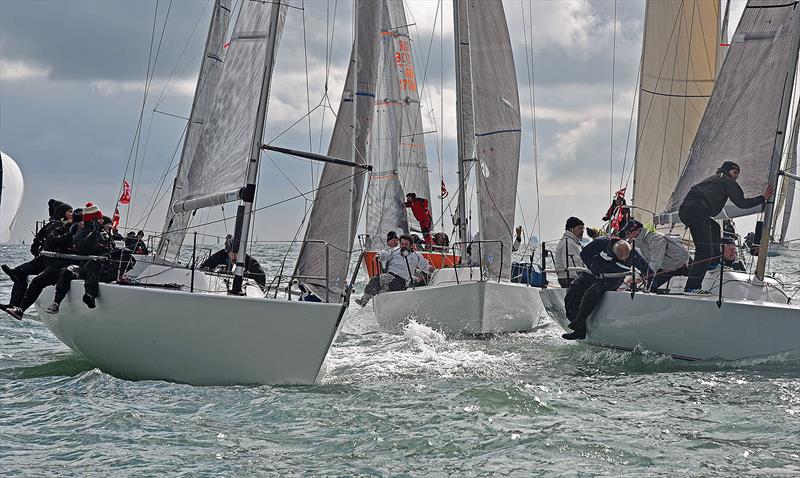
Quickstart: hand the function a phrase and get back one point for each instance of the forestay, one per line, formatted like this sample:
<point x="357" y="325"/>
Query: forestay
<point x="742" y="121"/>
<point x="334" y="215"/>
<point x="175" y="225"/>
<point x="497" y="129"/>
<point x="678" y="69"/>
<point x="218" y="170"/>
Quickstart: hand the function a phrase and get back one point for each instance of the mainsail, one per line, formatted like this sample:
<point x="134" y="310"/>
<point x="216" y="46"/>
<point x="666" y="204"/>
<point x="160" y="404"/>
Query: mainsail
<point x="175" y="225"/>
<point x="11" y="189"/>
<point x="746" y="116"/>
<point x="496" y="118"/>
<point x="678" y="70"/>
<point x="334" y="215"/>
<point x="385" y="196"/>
<point x="218" y="170"/>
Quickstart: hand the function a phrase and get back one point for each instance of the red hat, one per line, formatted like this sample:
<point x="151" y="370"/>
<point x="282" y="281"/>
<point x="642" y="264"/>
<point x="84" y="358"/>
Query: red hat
<point x="91" y="212"/>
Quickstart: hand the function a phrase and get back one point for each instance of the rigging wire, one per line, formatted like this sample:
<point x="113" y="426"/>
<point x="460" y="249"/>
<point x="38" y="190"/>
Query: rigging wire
<point x="613" y="88"/>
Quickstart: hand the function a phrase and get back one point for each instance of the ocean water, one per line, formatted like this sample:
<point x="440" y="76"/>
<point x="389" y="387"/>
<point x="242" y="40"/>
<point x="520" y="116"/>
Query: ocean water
<point x="412" y="403"/>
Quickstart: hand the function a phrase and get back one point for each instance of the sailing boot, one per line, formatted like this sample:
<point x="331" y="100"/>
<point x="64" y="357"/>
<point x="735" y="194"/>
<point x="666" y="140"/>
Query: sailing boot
<point x="89" y="301"/>
<point x="10" y="273"/>
<point x="578" y="333"/>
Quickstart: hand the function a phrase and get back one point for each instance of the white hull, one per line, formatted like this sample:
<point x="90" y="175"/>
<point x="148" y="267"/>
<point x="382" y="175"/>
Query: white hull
<point x="200" y="339"/>
<point x="687" y="327"/>
<point x="470" y="308"/>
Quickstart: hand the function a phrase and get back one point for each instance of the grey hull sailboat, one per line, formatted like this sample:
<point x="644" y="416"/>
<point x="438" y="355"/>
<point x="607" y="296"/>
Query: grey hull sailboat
<point x="171" y="322"/>
<point x="746" y="120"/>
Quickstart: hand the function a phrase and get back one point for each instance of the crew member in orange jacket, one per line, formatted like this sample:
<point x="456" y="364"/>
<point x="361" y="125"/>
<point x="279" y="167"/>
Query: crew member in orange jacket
<point x="422" y="213"/>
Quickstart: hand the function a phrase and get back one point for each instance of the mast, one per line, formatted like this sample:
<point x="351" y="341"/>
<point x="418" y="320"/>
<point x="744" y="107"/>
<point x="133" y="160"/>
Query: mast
<point x="723" y="35"/>
<point x="244" y="213"/>
<point x="791" y="166"/>
<point x="465" y="126"/>
<point x="777" y="150"/>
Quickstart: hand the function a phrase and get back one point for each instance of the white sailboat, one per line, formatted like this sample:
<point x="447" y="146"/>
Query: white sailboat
<point x="175" y="323"/>
<point x="397" y="144"/>
<point x="11" y="189"/>
<point x="746" y="118"/>
<point x="479" y="298"/>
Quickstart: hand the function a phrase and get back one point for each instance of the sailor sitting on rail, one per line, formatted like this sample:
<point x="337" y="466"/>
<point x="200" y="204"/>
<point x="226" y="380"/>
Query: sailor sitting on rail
<point x="663" y="254"/>
<point x="401" y="264"/>
<point x="729" y="256"/>
<point x="602" y="256"/>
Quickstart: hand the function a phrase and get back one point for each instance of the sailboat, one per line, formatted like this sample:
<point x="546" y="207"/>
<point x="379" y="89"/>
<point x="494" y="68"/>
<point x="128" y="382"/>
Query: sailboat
<point x="746" y="120"/>
<point x="11" y="189"/>
<point x="397" y="146"/>
<point x="175" y="323"/>
<point x="478" y="298"/>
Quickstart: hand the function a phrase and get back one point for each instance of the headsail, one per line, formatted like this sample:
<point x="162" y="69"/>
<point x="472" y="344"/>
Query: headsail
<point x="678" y="70"/>
<point x="743" y="119"/>
<point x="787" y="186"/>
<point x="175" y="225"/>
<point x="497" y="129"/>
<point x="334" y="215"/>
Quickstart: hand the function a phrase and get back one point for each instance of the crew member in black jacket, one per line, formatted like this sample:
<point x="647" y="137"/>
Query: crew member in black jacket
<point x="702" y="203"/>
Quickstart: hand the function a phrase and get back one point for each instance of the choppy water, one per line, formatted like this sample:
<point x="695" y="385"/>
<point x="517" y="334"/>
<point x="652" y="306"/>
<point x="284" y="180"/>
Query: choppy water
<point x="408" y="404"/>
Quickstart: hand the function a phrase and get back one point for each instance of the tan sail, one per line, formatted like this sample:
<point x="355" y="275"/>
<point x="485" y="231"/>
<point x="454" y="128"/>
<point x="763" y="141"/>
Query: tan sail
<point x="678" y="71"/>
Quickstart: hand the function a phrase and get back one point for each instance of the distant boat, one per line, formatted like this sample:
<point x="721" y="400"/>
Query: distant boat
<point x="10" y="196"/>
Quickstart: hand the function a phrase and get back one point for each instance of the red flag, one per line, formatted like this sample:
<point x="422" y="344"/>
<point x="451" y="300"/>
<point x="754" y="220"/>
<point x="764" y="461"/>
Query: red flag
<point x="126" y="193"/>
<point x="115" y="219"/>
<point x="444" y="193"/>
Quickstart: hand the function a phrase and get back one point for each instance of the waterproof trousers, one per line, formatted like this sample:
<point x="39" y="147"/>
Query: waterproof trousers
<point x="49" y="276"/>
<point x="31" y="268"/>
<point x="706" y="236"/>
<point x="583" y="296"/>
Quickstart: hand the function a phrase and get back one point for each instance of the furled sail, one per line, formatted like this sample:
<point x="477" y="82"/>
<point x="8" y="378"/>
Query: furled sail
<point x="11" y="190"/>
<point x="334" y="215"/>
<point x="497" y="129"/>
<point x="678" y="69"/>
<point x="175" y="225"/>
<point x="218" y="170"/>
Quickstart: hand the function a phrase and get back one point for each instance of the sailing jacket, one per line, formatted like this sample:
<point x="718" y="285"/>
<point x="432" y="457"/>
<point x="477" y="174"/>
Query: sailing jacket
<point x="599" y="257"/>
<point x="714" y="191"/>
<point x="660" y="251"/>
<point x="568" y="254"/>
<point x="419" y="207"/>
<point x="402" y="263"/>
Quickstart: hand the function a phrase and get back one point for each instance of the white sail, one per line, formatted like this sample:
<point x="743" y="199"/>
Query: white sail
<point x="219" y="167"/>
<point x="497" y="130"/>
<point x="334" y="215"/>
<point x="175" y="225"/>
<point x="745" y="118"/>
<point x="788" y="186"/>
<point x="13" y="187"/>
<point x="678" y="71"/>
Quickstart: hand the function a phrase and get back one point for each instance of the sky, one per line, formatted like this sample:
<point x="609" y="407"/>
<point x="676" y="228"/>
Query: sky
<point x="73" y="76"/>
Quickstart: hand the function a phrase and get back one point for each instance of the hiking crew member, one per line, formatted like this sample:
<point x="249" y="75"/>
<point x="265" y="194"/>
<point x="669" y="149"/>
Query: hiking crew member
<point x="401" y="263"/>
<point x="419" y="207"/>
<point x="705" y="200"/>
<point x="663" y="254"/>
<point x="568" y="251"/>
<point x="601" y="256"/>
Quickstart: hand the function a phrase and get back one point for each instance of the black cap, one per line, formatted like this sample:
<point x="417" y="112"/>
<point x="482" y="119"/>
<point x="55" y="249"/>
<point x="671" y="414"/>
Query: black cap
<point x="726" y="240"/>
<point x="391" y="235"/>
<point x="77" y="215"/>
<point x="727" y="166"/>
<point x="573" y="222"/>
